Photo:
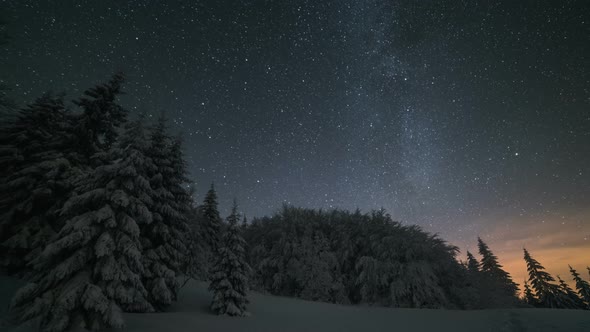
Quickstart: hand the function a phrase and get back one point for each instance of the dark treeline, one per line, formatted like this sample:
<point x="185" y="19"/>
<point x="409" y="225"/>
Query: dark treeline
<point x="342" y="257"/>
<point x="97" y="215"/>
<point x="354" y="258"/>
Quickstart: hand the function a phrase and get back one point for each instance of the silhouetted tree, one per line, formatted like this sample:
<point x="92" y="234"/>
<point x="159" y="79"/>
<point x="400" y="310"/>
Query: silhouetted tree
<point x="528" y="296"/>
<point x="571" y="299"/>
<point x="582" y="286"/>
<point x="499" y="279"/>
<point x="472" y="263"/>
<point x="548" y="293"/>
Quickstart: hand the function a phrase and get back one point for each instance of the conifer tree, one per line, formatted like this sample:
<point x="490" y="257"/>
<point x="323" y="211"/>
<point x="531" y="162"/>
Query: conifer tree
<point x="472" y="263"/>
<point x="529" y="297"/>
<point x="475" y="286"/>
<point x="493" y="269"/>
<point x="178" y="184"/>
<point x="164" y="239"/>
<point x="92" y="269"/>
<point x="38" y="175"/>
<point x="229" y="278"/>
<point x="547" y="292"/>
<point x="98" y="126"/>
<point x="316" y="277"/>
<point x="571" y="300"/>
<point x="582" y="286"/>
<point x="211" y="220"/>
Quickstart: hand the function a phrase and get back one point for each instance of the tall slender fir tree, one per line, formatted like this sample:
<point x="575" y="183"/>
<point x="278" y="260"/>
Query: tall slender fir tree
<point x="493" y="269"/>
<point x="229" y="278"/>
<point x="211" y="220"/>
<point x="548" y="293"/>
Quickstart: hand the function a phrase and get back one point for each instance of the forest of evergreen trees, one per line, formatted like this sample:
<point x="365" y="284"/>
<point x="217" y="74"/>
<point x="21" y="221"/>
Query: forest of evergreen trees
<point x="97" y="215"/>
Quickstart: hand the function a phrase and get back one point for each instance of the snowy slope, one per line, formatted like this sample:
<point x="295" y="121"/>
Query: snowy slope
<point x="271" y="313"/>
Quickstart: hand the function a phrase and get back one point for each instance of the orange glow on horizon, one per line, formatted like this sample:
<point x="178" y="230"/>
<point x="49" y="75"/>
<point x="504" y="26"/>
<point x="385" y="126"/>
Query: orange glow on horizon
<point x="555" y="242"/>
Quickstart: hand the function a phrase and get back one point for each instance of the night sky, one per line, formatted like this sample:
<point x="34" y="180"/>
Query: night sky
<point x="465" y="117"/>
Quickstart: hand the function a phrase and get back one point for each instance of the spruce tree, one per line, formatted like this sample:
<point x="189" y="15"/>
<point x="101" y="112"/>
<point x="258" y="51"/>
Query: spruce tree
<point x="92" y="269"/>
<point x="177" y="183"/>
<point x="38" y="176"/>
<point x="229" y="278"/>
<point x="491" y="268"/>
<point x="98" y="126"/>
<point x="475" y="287"/>
<point x="529" y="297"/>
<point x="211" y="220"/>
<point x="547" y="292"/>
<point x="198" y="260"/>
<point x="472" y="264"/>
<point x="571" y="300"/>
<point x="164" y="240"/>
<point x="582" y="286"/>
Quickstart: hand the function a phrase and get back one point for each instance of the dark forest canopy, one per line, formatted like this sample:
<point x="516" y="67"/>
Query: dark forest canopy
<point x="344" y="257"/>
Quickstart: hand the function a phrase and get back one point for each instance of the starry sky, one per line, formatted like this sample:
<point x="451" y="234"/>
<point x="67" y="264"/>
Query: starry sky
<point x="468" y="118"/>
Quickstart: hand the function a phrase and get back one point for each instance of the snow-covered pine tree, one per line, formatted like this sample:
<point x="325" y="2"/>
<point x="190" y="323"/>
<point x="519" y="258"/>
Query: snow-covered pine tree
<point x="165" y="239"/>
<point x="571" y="300"/>
<point x="582" y="286"/>
<point x="38" y="176"/>
<point x="100" y="122"/>
<point x="92" y="269"/>
<point x="178" y="182"/>
<point x="547" y="292"/>
<point x="492" y="269"/>
<point x="229" y="277"/>
<point x="318" y="274"/>
<point x="211" y="220"/>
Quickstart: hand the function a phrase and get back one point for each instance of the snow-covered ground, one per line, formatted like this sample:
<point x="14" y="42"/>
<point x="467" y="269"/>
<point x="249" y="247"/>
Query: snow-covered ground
<point x="272" y="313"/>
